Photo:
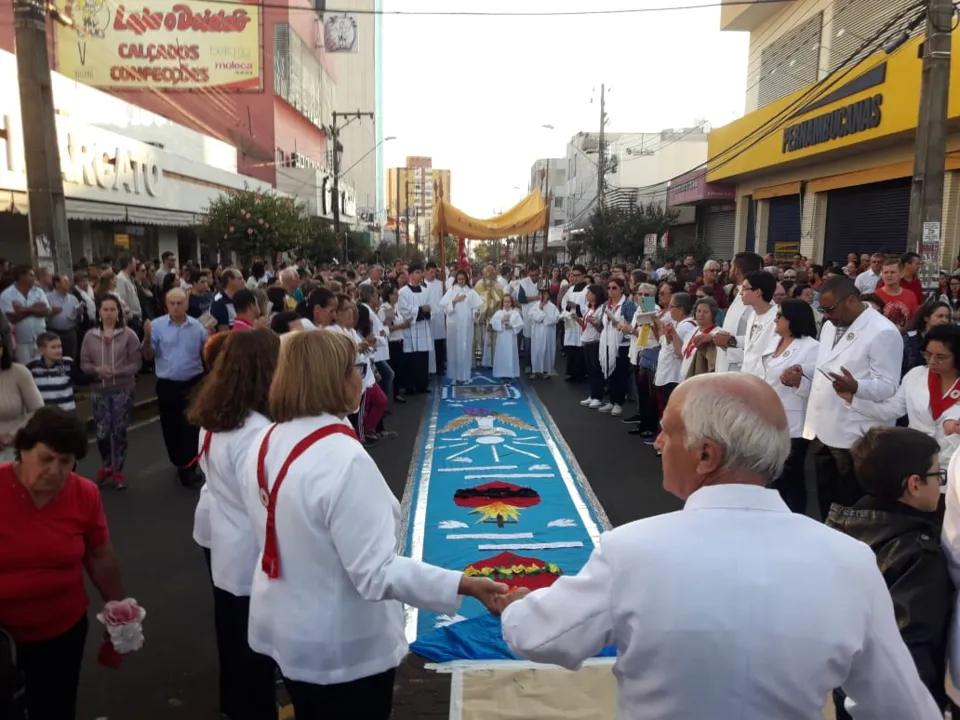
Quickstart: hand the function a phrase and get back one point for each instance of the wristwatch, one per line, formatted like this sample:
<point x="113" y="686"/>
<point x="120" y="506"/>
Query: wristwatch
<point x="732" y="342"/>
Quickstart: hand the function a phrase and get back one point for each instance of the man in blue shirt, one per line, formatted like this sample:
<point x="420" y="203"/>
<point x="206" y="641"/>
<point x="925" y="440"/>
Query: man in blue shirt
<point x="175" y="342"/>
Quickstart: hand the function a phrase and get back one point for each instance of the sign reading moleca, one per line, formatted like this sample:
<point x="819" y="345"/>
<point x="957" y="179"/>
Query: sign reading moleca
<point x="83" y="161"/>
<point x="855" y="118"/>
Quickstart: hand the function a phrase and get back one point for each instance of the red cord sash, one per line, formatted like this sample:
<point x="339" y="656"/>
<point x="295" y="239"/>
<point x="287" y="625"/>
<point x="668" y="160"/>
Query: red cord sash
<point x="271" y="557"/>
<point x="940" y="403"/>
<point x="204" y="450"/>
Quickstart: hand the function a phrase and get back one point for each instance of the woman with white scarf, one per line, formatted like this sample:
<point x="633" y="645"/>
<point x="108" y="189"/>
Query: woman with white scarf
<point x="615" y="345"/>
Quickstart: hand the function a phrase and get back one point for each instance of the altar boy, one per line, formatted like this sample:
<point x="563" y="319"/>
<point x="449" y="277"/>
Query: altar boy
<point x="414" y="308"/>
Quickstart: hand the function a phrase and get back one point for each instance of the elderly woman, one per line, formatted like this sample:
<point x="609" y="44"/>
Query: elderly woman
<point x="52" y="528"/>
<point x="699" y="358"/>
<point x="19" y="398"/>
<point x="326" y="526"/>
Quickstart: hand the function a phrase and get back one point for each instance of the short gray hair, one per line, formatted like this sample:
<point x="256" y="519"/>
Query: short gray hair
<point x="711" y="265"/>
<point x="366" y="292"/>
<point x="647" y="287"/>
<point x="751" y="443"/>
<point x="290" y="273"/>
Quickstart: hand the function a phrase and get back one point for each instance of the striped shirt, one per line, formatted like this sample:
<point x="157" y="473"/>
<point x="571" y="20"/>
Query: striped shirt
<point x="55" y="382"/>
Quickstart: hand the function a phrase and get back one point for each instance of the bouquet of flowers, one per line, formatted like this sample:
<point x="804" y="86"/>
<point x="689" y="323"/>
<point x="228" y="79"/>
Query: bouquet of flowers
<point x="123" y="621"/>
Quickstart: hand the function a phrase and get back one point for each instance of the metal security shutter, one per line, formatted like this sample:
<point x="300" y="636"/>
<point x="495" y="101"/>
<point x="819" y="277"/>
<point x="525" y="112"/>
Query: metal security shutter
<point x="718" y="226"/>
<point x="867" y="218"/>
<point x="855" y="21"/>
<point x="751" y="223"/>
<point x="783" y="224"/>
<point x="790" y="62"/>
<point x="683" y="234"/>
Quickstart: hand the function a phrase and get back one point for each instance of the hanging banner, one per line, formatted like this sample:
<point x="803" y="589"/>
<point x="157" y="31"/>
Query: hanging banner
<point x="168" y="45"/>
<point x="341" y="33"/>
<point x="526" y="217"/>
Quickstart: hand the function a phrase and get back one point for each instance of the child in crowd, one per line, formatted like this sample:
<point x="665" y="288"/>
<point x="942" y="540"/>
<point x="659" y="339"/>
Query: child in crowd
<point x="507" y="324"/>
<point x="899" y="469"/>
<point x="54" y="373"/>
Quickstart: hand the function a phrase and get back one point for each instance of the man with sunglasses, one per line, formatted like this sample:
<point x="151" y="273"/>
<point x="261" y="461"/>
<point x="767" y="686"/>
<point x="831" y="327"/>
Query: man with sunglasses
<point x="899" y="470"/>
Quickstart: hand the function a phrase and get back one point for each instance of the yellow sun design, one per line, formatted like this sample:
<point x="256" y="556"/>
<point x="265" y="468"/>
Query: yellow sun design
<point x="495" y="511"/>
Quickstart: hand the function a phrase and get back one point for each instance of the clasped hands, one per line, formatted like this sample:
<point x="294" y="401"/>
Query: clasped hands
<point x="495" y="596"/>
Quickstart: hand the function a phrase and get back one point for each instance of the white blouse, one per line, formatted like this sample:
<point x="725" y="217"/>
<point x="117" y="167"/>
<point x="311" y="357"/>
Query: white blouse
<point x="803" y="352"/>
<point x="668" y="362"/>
<point x="335" y="613"/>
<point x="233" y="545"/>
<point x="591" y="318"/>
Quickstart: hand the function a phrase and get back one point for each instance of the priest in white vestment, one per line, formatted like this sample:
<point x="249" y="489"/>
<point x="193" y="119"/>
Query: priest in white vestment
<point x="433" y="287"/>
<point x="542" y="321"/>
<point x="713" y="611"/>
<point x="461" y="304"/>
<point x="414" y="307"/>
<point x="507" y="323"/>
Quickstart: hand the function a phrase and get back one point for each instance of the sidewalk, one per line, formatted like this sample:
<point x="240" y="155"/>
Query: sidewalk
<point x="144" y="399"/>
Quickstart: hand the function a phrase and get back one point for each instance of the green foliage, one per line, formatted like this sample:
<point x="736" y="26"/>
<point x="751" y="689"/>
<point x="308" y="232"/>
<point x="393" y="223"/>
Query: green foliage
<point x="618" y="232"/>
<point x="449" y="250"/>
<point x="679" y="250"/>
<point x="254" y="223"/>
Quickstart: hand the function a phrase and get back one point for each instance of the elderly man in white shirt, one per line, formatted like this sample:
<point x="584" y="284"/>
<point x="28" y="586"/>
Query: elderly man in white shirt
<point x="736" y="323"/>
<point x="712" y="609"/>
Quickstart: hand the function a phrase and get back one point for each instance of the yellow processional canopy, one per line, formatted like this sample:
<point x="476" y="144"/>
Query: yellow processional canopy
<point x="528" y="216"/>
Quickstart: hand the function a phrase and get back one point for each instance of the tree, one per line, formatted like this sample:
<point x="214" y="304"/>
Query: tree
<point x="483" y="252"/>
<point x="255" y="223"/>
<point x="617" y="232"/>
<point x="449" y="249"/>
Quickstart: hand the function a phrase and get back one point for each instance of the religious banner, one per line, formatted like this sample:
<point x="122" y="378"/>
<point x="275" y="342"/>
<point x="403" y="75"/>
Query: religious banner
<point x="526" y="217"/>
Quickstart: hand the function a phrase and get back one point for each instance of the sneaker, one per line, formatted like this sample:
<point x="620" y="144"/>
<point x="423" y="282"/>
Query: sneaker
<point x="595" y="405"/>
<point x="617" y="411"/>
<point x="586" y="403"/>
<point x="104" y="474"/>
<point x="634" y="419"/>
<point x="650" y="441"/>
<point x="608" y="407"/>
<point x="118" y="483"/>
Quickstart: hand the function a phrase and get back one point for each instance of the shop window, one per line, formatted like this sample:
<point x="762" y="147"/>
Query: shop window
<point x="791" y="62"/>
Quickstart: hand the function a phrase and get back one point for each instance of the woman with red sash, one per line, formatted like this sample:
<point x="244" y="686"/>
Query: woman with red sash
<point x="329" y="587"/>
<point x="700" y="358"/>
<point x="231" y="410"/>
<point x="928" y="395"/>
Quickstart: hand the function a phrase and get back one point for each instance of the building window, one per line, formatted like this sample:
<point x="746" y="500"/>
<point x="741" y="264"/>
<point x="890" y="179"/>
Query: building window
<point x="855" y="22"/>
<point x="300" y="79"/>
<point x="790" y="63"/>
<point x="558" y="202"/>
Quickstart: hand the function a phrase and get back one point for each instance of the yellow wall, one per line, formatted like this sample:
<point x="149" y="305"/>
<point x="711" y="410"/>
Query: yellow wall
<point x="901" y="101"/>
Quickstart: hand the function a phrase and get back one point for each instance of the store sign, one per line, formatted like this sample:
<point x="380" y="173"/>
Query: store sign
<point x="855" y="118"/>
<point x="129" y="170"/>
<point x="694" y="188"/>
<point x="160" y="45"/>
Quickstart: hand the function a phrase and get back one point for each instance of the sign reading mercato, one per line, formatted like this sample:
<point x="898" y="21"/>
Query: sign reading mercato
<point x="855" y="118"/>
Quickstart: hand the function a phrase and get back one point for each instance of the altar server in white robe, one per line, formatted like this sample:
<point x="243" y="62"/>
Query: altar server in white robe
<point x="757" y="294"/>
<point x="433" y="287"/>
<point x="869" y="347"/>
<point x="736" y="321"/>
<point x="543" y="320"/>
<point x="527" y="296"/>
<point x="461" y="305"/>
<point x="928" y="395"/>
<point x="507" y="323"/>
<point x="415" y="309"/>
<point x="573" y="305"/>
<point x="696" y="646"/>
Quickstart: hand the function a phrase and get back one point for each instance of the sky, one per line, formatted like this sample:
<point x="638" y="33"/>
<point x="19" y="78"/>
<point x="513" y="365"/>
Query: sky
<point x="474" y="92"/>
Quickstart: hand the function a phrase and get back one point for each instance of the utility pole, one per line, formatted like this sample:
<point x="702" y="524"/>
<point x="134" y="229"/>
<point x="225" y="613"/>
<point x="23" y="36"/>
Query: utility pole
<point x="546" y="229"/>
<point x="926" y="193"/>
<point x="406" y="206"/>
<point x="49" y="233"/>
<point x="397" y="213"/>
<point x="602" y="154"/>
<point x="337" y="149"/>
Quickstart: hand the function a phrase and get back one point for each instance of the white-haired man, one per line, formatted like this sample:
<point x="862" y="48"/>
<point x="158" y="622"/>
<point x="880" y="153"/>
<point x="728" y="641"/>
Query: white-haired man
<point x="711" y="279"/>
<point x="733" y="607"/>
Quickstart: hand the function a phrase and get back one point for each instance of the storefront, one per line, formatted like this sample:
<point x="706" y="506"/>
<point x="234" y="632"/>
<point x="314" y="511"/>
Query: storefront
<point x="714" y="211"/>
<point x="123" y="195"/>
<point x="829" y="169"/>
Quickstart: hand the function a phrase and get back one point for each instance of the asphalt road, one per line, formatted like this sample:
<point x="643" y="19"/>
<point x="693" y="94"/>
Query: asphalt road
<point x="175" y="675"/>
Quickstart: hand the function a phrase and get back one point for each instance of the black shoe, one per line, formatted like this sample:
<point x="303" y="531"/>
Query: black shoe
<point x="400" y="399"/>
<point x="635" y="431"/>
<point x="191" y="478"/>
<point x="633" y="420"/>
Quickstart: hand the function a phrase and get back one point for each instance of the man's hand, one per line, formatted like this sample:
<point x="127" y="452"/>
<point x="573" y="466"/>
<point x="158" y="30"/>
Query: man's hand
<point x="511" y="597"/>
<point x="702" y="341"/>
<point x="792" y="376"/>
<point x="844" y="383"/>
<point x="485" y="590"/>
<point x="951" y="427"/>
<point x="425" y="308"/>
<point x="722" y="340"/>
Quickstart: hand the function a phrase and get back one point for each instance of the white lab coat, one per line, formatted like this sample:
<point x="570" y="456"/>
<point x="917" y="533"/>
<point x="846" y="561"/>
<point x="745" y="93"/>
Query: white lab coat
<point x="506" y="356"/>
<point x="460" y="329"/>
<point x="543" y="336"/>
<point x="735" y="323"/>
<point x="912" y="399"/>
<point x="872" y="350"/>
<point x="417" y="337"/>
<point x="802" y="352"/>
<point x="335" y="614"/>
<point x="760" y="342"/>
<point x="696" y="639"/>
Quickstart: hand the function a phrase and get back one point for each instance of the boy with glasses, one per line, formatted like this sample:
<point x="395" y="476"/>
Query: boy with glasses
<point x="899" y="470"/>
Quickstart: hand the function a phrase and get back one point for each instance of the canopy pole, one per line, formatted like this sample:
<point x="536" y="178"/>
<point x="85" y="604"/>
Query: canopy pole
<point x="443" y="264"/>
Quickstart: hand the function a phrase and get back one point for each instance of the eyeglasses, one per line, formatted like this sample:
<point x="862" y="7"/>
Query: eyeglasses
<point x="613" y="287"/>
<point x="936" y="357"/>
<point x="827" y="309"/>
<point x="779" y="316"/>
<point x="941" y="475"/>
<point x="744" y="288"/>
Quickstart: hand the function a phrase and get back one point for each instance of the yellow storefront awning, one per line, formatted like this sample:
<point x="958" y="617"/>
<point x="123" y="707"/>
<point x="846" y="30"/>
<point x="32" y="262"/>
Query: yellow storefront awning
<point x="528" y="216"/>
<point x="892" y="171"/>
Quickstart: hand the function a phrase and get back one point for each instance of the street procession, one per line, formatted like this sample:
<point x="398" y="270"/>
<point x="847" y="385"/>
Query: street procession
<point x="294" y="426"/>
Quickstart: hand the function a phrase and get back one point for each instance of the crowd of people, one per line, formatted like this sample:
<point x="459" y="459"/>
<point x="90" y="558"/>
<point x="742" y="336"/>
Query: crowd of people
<point x="842" y="355"/>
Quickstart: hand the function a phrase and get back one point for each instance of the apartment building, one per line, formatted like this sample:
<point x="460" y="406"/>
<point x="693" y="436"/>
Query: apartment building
<point x="823" y="158"/>
<point x="411" y="196"/>
<point x="555" y="183"/>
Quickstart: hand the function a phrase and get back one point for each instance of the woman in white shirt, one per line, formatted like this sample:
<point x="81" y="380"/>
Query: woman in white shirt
<point x="231" y="409"/>
<point x="591" y="322"/>
<point x="928" y="394"/>
<point x="793" y="345"/>
<point x="614" y="352"/>
<point x="329" y="588"/>
<point x="672" y="330"/>
<point x="370" y="298"/>
<point x="395" y="324"/>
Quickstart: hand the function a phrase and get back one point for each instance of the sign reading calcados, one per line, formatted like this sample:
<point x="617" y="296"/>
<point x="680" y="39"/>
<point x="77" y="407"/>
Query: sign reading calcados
<point x="162" y="44"/>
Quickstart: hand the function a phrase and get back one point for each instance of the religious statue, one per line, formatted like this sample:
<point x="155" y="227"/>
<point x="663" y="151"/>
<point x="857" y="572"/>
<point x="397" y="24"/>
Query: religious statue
<point x="492" y="295"/>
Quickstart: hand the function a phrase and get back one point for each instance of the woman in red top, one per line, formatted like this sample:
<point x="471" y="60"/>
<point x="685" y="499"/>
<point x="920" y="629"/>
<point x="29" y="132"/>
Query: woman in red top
<point x="52" y="528"/>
